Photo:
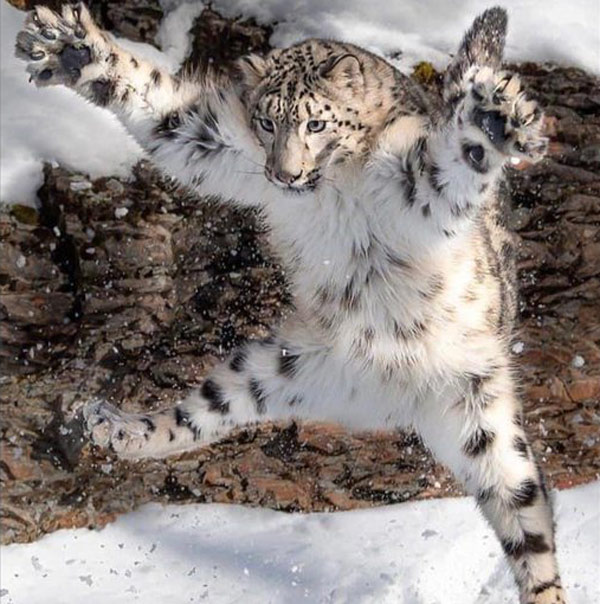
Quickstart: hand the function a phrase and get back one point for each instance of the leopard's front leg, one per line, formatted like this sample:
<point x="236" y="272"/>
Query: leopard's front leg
<point x="71" y="50"/>
<point x="448" y="171"/>
<point x="195" y="130"/>
<point x="492" y="123"/>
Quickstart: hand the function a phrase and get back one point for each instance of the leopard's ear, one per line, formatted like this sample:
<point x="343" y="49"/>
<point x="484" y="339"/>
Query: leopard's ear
<point x="344" y="71"/>
<point x="483" y="45"/>
<point x="251" y="70"/>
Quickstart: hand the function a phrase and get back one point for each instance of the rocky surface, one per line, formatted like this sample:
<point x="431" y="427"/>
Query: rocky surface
<point x="137" y="20"/>
<point x="557" y="215"/>
<point x="132" y="290"/>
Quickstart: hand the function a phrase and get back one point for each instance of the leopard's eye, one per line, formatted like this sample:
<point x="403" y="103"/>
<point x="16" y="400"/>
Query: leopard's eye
<point x="266" y="124"/>
<point x="316" y="125"/>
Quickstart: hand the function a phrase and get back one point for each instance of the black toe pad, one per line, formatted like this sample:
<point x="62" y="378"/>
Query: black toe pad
<point x="492" y="123"/>
<point x="75" y="58"/>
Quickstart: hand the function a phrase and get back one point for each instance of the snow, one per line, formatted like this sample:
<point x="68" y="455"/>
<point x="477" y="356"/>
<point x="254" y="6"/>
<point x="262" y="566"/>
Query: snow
<point x="430" y="30"/>
<point x="173" y="35"/>
<point x="518" y="347"/>
<point x="53" y="124"/>
<point x="423" y="552"/>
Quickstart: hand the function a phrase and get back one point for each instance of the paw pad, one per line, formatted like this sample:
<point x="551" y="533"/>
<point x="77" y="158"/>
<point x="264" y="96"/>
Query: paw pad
<point x="493" y="123"/>
<point x="53" y="45"/>
<point x="498" y="107"/>
<point x="75" y="58"/>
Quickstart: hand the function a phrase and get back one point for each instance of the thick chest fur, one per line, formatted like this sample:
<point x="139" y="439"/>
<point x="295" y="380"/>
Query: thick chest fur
<point x="365" y="295"/>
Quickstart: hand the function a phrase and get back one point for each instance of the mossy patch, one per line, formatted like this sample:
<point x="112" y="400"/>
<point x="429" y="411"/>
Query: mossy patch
<point x="25" y="214"/>
<point x="424" y="72"/>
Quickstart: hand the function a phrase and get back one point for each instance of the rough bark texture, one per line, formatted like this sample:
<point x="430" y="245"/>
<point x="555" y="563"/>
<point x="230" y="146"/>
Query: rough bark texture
<point x="135" y="19"/>
<point x="132" y="290"/>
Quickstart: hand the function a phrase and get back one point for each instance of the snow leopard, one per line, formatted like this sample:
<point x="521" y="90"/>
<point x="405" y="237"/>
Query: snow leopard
<point x="384" y="205"/>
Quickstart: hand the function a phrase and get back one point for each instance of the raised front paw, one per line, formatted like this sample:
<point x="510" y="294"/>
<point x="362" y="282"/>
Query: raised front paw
<point x="498" y="119"/>
<point x="57" y="47"/>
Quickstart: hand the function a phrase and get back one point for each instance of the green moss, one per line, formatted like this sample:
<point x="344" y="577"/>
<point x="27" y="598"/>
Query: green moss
<point x="25" y="214"/>
<point x="424" y="72"/>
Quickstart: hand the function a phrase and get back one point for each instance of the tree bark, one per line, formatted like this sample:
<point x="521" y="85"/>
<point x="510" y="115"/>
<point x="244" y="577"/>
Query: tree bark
<point x="132" y="290"/>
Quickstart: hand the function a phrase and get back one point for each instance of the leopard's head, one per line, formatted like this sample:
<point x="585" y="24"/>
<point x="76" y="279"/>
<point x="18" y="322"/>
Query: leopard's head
<point x="311" y="108"/>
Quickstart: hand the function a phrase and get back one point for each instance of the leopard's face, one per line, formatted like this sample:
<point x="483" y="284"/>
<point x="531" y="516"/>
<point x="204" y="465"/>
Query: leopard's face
<point x="301" y="136"/>
<point x="306" y="110"/>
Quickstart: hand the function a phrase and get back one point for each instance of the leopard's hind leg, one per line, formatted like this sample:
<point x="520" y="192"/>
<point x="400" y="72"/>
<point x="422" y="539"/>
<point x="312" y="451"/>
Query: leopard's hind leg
<point x="481" y="439"/>
<point x="284" y="377"/>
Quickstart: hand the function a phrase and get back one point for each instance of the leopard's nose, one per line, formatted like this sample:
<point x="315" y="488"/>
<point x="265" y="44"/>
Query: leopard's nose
<point x="287" y="178"/>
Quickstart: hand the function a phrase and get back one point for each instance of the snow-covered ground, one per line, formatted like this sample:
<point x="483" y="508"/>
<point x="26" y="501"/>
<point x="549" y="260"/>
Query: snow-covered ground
<point x="55" y="125"/>
<point x="427" y="552"/>
<point x="552" y="30"/>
